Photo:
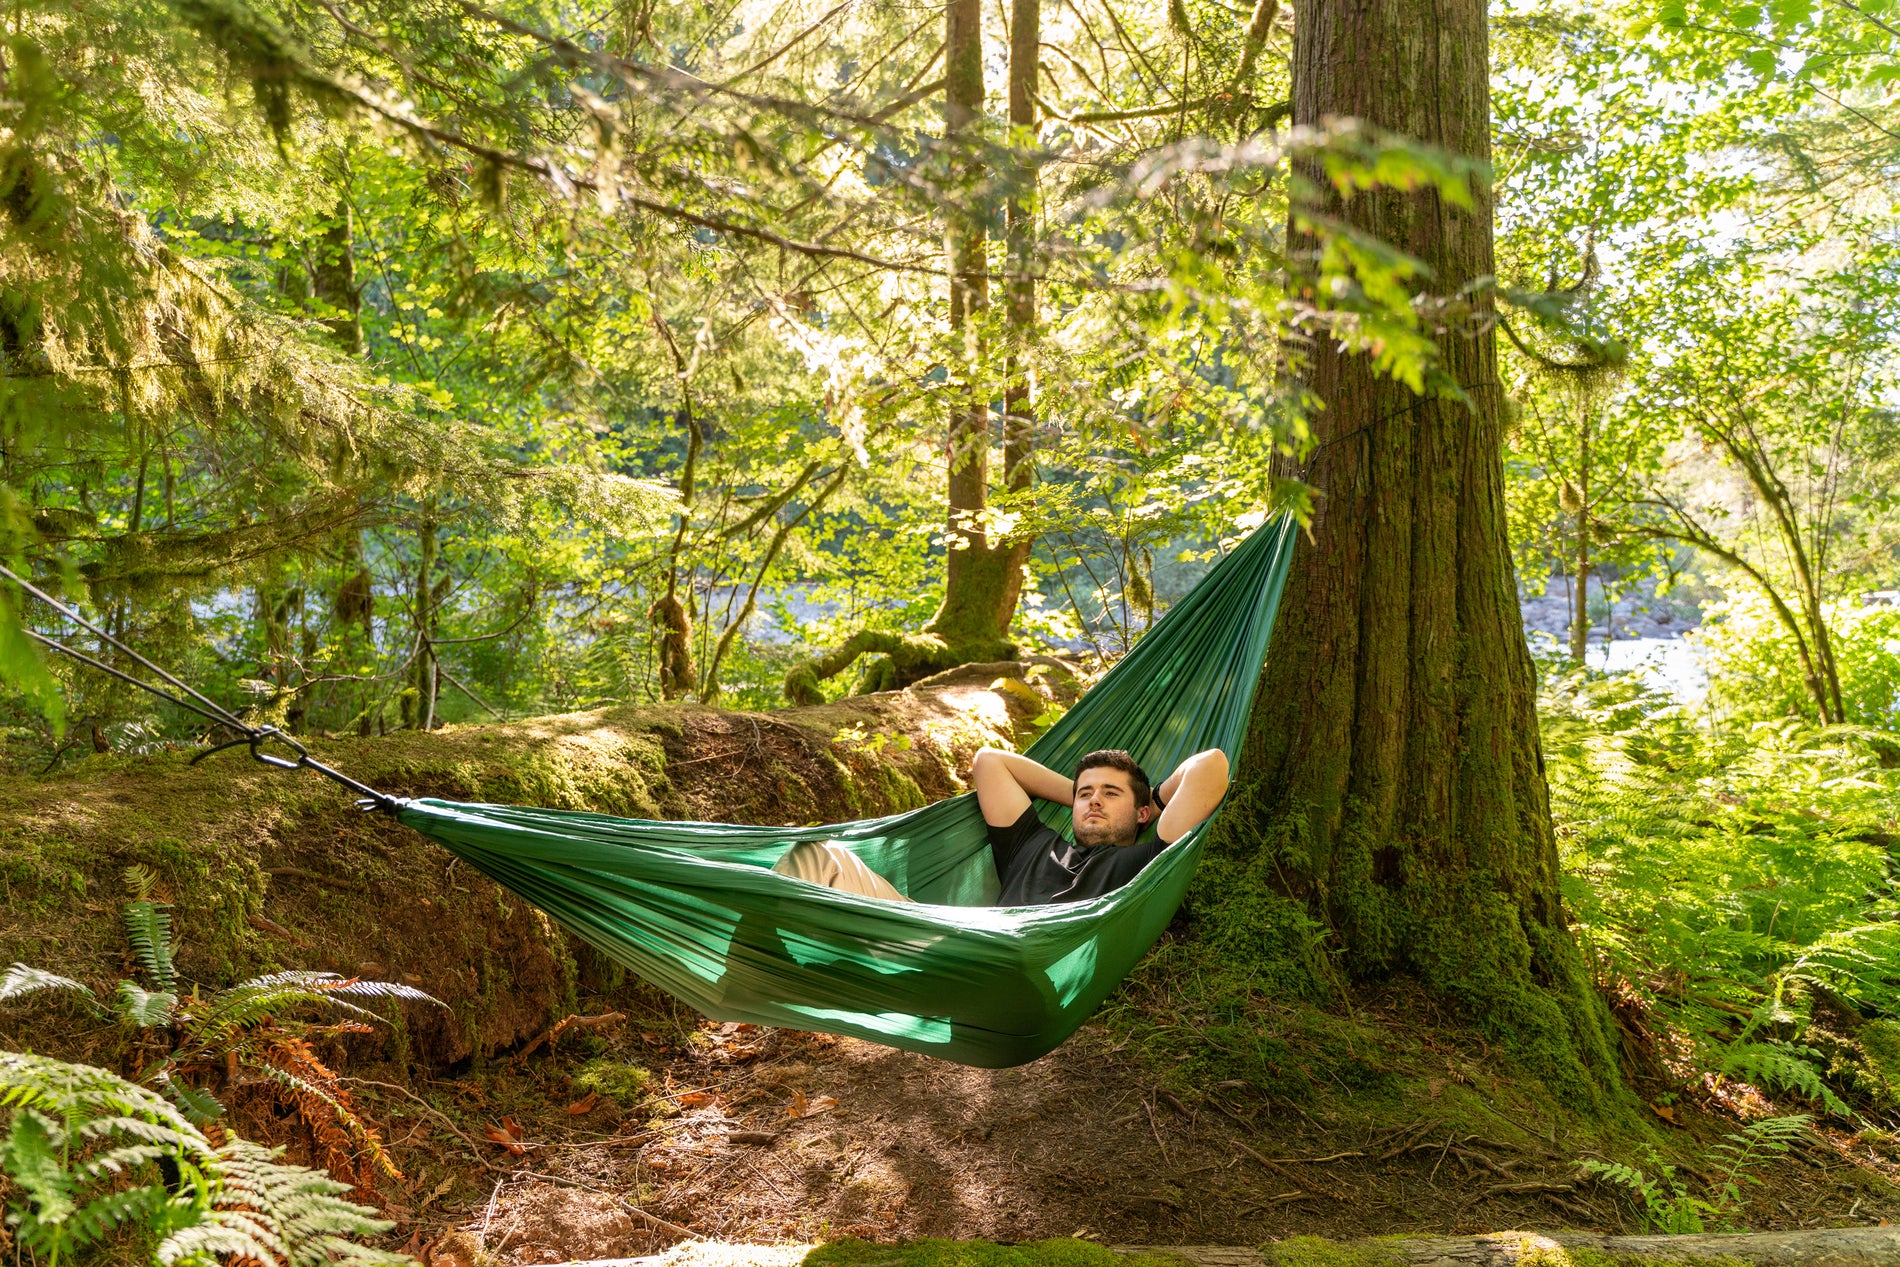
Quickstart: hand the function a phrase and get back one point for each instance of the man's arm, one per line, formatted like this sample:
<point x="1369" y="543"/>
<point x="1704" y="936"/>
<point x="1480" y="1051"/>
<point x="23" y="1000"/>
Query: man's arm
<point x="1190" y="794"/>
<point x="1004" y="782"/>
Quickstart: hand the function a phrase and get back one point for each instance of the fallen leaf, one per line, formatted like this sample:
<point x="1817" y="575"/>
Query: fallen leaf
<point x="799" y="1105"/>
<point x="1666" y="1113"/>
<point x="508" y="1135"/>
<point x="695" y="1099"/>
<point x="823" y="1104"/>
<point x="650" y="1038"/>
<point x="659" y="1163"/>
<point x="746" y="1027"/>
<point x="439" y="1191"/>
<point x="585" y="1104"/>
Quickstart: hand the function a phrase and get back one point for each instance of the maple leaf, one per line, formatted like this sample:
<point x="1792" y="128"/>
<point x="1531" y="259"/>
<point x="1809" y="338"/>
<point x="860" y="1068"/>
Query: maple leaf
<point x="585" y="1104"/>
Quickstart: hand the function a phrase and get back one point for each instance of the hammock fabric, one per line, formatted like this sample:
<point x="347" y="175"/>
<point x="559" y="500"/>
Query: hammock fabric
<point x="695" y="908"/>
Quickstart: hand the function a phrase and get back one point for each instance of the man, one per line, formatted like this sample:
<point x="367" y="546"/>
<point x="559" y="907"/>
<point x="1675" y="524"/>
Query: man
<point x="1113" y="809"/>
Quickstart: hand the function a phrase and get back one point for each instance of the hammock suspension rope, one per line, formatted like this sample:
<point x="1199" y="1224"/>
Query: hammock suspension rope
<point x="255" y="738"/>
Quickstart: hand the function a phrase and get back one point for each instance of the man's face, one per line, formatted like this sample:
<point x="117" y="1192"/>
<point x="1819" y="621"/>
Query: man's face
<point x="1105" y="809"/>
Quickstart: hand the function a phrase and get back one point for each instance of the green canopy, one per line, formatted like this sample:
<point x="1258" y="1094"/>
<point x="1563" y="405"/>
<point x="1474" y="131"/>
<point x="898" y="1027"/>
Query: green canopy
<point x="695" y="908"/>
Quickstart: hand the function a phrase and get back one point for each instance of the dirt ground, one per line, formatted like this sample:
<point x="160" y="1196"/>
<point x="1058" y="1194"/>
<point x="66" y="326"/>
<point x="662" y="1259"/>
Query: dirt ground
<point x="787" y="1137"/>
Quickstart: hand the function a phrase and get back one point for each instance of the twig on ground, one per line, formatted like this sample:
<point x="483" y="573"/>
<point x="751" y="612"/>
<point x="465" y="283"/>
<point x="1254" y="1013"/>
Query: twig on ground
<point x="653" y="1220"/>
<point x="489" y="1213"/>
<point x="553" y="1035"/>
<point x="1166" y="1160"/>
<point x="473" y="1148"/>
<point x="1277" y="1168"/>
<point x="301" y="874"/>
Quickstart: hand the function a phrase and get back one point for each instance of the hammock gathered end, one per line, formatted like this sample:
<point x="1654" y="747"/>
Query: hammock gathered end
<point x="695" y="908"/>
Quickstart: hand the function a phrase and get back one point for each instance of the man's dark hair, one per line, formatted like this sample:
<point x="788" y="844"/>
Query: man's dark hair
<point x="1119" y="759"/>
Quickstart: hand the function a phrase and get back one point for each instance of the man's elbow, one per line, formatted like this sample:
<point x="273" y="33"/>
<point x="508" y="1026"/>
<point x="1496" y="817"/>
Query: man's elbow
<point x="1214" y="763"/>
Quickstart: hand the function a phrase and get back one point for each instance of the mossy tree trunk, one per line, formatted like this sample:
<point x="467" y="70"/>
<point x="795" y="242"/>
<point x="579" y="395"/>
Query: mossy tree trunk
<point x="982" y="579"/>
<point x="1393" y="774"/>
<point x="672" y="619"/>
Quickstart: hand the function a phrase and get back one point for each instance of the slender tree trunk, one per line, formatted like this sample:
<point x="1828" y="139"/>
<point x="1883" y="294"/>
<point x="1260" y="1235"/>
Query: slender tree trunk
<point x="672" y="619"/>
<point x="419" y="704"/>
<point x="1580" y="613"/>
<point x="1020" y="316"/>
<point x="334" y="278"/>
<point x="1393" y="774"/>
<point x="980" y="586"/>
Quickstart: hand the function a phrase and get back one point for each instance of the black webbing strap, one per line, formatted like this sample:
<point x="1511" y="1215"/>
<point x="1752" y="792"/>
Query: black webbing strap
<point x="253" y="737"/>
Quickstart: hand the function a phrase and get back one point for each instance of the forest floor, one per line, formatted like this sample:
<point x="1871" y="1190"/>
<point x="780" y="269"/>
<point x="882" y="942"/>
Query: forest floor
<point x="768" y="1136"/>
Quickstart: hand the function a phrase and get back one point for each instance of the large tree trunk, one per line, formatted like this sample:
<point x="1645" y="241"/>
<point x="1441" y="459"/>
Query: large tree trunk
<point x="1393" y="771"/>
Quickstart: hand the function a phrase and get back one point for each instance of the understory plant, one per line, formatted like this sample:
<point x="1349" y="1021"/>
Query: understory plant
<point x="1664" y="1200"/>
<point x="106" y="1171"/>
<point x="246" y="1035"/>
<point x="1729" y="883"/>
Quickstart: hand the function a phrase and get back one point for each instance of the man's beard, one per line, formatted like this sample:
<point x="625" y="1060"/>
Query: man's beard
<point x="1104" y="834"/>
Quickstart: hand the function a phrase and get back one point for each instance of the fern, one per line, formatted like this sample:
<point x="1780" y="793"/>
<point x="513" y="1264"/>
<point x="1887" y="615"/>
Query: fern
<point x="148" y="925"/>
<point x="1780" y="1067"/>
<point x="61" y="1152"/>
<point x="278" y="1213"/>
<point x="1770" y="1137"/>
<point x="1722" y="879"/>
<point x="21" y="981"/>
<point x="83" y="1150"/>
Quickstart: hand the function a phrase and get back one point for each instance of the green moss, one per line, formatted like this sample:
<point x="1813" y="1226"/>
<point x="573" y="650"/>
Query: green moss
<point x="936" y="1253"/>
<point x="1880" y="1046"/>
<point x="624" y="1084"/>
<point x="1315" y="1251"/>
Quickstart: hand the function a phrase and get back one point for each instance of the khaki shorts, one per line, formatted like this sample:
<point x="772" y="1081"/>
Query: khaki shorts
<point x="828" y="863"/>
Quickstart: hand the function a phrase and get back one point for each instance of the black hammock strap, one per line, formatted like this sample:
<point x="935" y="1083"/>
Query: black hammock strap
<point x="255" y="738"/>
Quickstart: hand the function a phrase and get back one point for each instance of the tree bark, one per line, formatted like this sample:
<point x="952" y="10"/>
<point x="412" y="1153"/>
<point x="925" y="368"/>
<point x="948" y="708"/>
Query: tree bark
<point x="1393" y="772"/>
<point x="672" y="619"/>
<point x="333" y="279"/>
<point x="980" y="585"/>
<point x="1580" y="613"/>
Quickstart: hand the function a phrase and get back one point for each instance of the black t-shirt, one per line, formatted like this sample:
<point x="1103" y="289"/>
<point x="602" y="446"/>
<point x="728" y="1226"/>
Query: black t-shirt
<point x="1037" y="865"/>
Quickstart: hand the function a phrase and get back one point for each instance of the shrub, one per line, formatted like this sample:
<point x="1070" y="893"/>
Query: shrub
<point x="1755" y="670"/>
<point x="1723" y="879"/>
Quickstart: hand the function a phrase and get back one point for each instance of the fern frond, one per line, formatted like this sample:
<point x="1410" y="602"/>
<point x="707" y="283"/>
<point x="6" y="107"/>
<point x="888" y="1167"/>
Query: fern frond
<point x="280" y="1213"/>
<point x="146" y="1009"/>
<point x="1780" y="1067"/>
<point x="327" y="1108"/>
<point x="140" y="881"/>
<point x="22" y="980"/>
<point x="148" y="925"/>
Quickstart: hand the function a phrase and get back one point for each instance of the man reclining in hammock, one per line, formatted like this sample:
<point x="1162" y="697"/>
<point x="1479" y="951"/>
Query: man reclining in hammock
<point x="1113" y="805"/>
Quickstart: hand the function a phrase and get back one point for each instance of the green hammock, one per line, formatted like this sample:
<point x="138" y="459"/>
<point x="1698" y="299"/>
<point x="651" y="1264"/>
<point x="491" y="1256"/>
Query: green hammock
<point x="695" y="909"/>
